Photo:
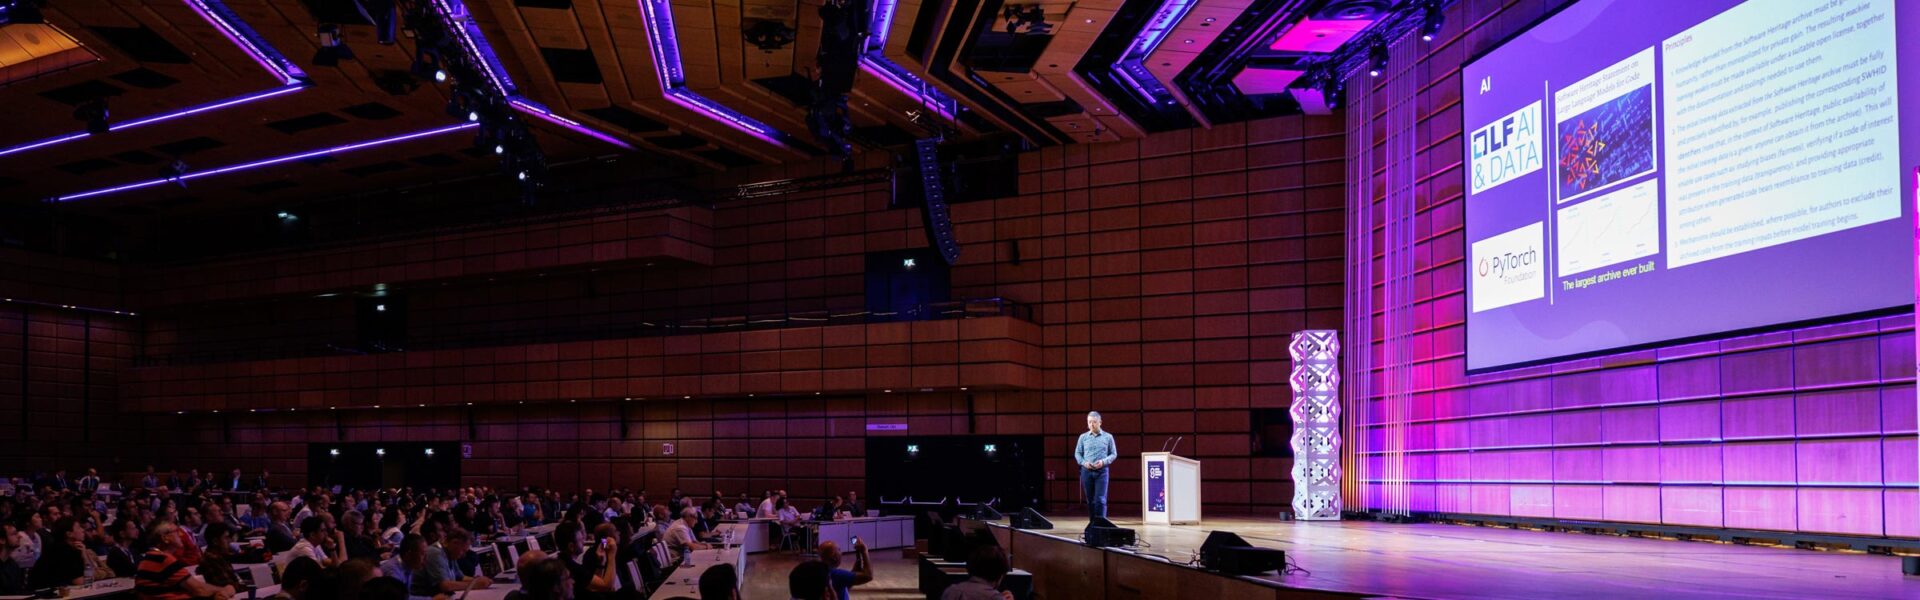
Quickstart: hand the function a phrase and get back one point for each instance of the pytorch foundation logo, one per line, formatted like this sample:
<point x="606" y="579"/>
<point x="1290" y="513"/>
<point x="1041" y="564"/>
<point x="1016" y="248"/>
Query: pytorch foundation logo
<point x="1508" y="268"/>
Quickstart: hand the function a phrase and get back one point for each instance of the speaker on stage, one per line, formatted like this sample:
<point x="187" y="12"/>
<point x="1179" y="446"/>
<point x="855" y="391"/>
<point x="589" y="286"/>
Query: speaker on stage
<point x="1102" y="533"/>
<point x="1226" y="552"/>
<point x="1028" y="518"/>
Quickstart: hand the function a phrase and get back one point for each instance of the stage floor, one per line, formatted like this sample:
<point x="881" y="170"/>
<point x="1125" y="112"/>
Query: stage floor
<point x="1458" y="561"/>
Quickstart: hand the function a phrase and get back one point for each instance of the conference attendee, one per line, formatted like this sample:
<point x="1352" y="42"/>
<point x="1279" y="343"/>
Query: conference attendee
<point x="720" y="582"/>
<point x="150" y="480"/>
<point x="256" y="521"/>
<point x="295" y="579"/>
<point x="592" y="573"/>
<point x="546" y="579"/>
<point x="384" y="588"/>
<point x="843" y="580"/>
<point x="785" y="513"/>
<point x="854" y="506"/>
<point x="409" y="558"/>
<point x="234" y="482"/>
<point x="766" y="506"/>
<point x="280" y="537"/>
<point x="808" y="581"/>
<point x="161" y="576"/>
<point x="1095" y="451"/>
<point x="680" y="537"/>
<point x="61" y="561"/>
<point x="89" y="483"/>
<point x="27" y="540"/>
<point x="121" y="552"/>
<point x="347" y="580"/>
<point x="314" y="534"/>
<point x="743" y="509"/>
<point x="358" y="539"/>
<point x="260" y="481"/>
<point x="13" y="579"/>
<point x="441" y="575"/>
<point x="59" y="481"/>
<point x="985" y="569"/>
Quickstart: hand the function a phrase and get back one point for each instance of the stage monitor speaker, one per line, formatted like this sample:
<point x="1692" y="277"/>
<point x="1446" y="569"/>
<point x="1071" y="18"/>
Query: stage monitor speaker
<point x="1028" y="518"/>
<point x="984" y="512"/>
<point x="1102" y="533"/>
<point x="1226" y="552"/>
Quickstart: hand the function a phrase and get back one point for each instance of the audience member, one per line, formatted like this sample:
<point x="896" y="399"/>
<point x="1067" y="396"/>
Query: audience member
<point x="843" y="580"/>
<point x="296" y="577"/>
<point x="985" y="568"/>
<point x="809" y="581"/>
<point x="440" y="574"/>
<point x="680" y="538"/>
<point x="161" y="576"/>
<point x="720" y="582"/>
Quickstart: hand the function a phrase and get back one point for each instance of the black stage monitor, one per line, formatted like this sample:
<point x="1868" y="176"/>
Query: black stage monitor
<point x="1226" y="552"/>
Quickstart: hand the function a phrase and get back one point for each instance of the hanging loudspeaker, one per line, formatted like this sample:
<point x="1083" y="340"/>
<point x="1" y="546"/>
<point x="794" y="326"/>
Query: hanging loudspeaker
<point x="934" y="213"/>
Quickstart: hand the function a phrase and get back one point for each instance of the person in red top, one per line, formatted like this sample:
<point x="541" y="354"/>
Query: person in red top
<point x="162" y="576"/>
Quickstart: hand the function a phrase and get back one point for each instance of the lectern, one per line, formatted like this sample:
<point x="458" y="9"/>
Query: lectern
<point x="1171" y="492"/>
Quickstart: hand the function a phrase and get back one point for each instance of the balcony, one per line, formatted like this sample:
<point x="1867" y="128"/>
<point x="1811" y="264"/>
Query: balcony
<point x="980" y="344"/>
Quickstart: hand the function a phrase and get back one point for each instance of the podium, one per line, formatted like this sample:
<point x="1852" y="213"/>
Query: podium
<point x="1170" y="489"/>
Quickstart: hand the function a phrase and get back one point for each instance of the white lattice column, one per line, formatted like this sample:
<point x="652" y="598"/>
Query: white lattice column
<point x="1316" y="424"/>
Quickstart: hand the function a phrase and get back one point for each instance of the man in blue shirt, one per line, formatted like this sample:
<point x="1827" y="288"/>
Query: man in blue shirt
<point x="1095" y="452"/>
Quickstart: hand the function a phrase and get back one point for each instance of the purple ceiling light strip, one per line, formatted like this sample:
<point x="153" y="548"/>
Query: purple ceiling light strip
<point x="875" y="62"/>
<point x="1131" y="68"/>
<point x="658" y="15"/>
<point x="536" y="109"/>
<point x="475" y="44"/>
<point x="268" y="162"/>
<point x="243" y="36"/>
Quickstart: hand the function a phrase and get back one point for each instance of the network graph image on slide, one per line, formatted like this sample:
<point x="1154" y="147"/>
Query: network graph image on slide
<point x="1610" y="229"/>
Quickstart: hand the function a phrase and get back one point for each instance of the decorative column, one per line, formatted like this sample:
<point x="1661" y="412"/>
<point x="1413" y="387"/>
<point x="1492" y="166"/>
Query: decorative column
<point x="1316" y="424"/>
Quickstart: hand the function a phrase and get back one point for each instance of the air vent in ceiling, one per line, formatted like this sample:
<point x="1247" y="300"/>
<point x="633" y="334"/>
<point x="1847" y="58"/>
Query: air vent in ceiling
<point x="145" y="78"/>
<point x="572" y="66"/>
<point x="189" y="146"/>
<point x="143" y="45"/>
<point x="305" y="122"/>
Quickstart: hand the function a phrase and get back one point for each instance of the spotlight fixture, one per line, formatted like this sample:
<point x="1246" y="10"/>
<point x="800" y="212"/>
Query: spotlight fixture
<point x="429" y="452"/>
<point x="1377" y="59"/>
<point x="473" y="117"/>
<point x="21" y="11"/>
<point x="332" y="46"/>
<point x="908" y="263"/>
<point x="379" y="451"/>
<point x="522" y="176"/>
<point x="440" y="75"/>
<point x="499" y="149"/>
<point x="382" y="308"/>
<point x="94" y="113"/>
<point x="333" y="452"/>
<point x="287" y="216"/>
<point x="1430" y="22"/>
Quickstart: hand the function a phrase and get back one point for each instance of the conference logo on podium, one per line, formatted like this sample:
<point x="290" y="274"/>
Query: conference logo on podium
<point x="1506" y="148"/>
<point x="1508" y="268"/>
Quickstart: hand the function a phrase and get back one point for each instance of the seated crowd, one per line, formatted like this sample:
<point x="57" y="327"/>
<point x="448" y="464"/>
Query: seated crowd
<point x="181" y="537"/>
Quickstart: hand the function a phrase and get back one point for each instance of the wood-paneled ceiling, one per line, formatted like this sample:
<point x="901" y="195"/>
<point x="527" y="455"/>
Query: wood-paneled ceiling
<point x="1024" y="71"/>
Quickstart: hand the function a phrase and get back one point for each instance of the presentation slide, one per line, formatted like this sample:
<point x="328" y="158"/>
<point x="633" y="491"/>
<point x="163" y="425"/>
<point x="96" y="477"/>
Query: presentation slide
<point x="1643" y="172"/>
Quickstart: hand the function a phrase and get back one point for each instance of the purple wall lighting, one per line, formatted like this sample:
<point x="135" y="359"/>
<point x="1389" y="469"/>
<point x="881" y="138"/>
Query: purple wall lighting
<point x="875" y="62"/>
<point x="342" y="149"/>
<point x="292" y="79"/>
<point x="658" y="15"/>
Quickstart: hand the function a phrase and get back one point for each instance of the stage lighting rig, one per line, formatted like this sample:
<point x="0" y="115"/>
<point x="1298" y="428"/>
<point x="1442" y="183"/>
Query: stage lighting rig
<point x="472" y="96"/>
<point x="1431" y="20"/>
<point x="21" y="11"/>
<point x="1377" y="58"/>
<point x="333" y="47"/>
<point x="769" y="36"/>
<point x="842" y="38"/>
<point x="1026" y="19"/>
<point x="94" y="113"/>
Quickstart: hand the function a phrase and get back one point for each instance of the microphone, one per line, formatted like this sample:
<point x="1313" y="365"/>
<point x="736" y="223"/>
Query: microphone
<point x="1163" y="443"/>
<point x="1176" y="443"/>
